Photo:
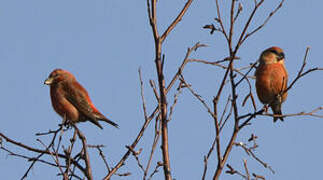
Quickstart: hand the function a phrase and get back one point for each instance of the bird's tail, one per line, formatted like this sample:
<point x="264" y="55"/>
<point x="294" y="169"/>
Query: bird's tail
<point x="96" y="122"/>
<point x="103" y="118"/>
<point x="277" y="111"/>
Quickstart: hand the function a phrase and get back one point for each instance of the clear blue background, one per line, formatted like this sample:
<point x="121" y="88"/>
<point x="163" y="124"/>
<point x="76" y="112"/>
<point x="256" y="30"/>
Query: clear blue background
<point x="103" y="43"/>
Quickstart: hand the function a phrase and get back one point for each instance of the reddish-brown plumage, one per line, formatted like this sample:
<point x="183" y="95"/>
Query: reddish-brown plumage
<point x="271" y="79"/>
<point x="71" y="101"/>
<point x="270" y="82"/>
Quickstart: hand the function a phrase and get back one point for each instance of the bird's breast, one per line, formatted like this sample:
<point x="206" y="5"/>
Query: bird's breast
<point x="270" y="81"/>
<point x="263" y="86"/>
<point x="62" y="106"/>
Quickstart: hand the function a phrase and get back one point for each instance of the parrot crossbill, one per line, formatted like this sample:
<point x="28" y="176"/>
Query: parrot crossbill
<point x="271" y="79"/>
<point x="71" y="101"/>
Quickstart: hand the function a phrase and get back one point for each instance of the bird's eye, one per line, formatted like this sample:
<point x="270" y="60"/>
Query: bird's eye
<point x="280" y="56"/>
<point x="54" y="75"/>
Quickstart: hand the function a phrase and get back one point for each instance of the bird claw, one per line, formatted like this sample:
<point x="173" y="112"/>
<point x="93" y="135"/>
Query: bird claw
<point x="66" y="124"/>
<point x="265" y="108"/>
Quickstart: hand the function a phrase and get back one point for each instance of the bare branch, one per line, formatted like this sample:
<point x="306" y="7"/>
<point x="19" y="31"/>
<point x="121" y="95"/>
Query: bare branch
<point x="142" y="95"/>
<point x="265" y="22"/>
<point x="179" y="91"/>
<point x="246" y="169"/>
<point x="56" y="160"/>
<point x="219" y="20"/>
<point x="233" y="171"/>
<point x="135" y="154"/>
<point x="159" y="164"/>
<point x="176" y="20"/>
<point x="206" y="158"/>
<point x="196" y="95"/>
<point x="258" y="176"/>
<point x="86" y="154"/>
<point x="36" y="159"/>
<point x="238" y="12"/>
<point x="153" y="148"/>
<point x="140" y="134"/>
<point x="103" y="157"/>
<point x="300" y="72"/>
<point x="310" y="113"/>
<point x="252" y="154"/>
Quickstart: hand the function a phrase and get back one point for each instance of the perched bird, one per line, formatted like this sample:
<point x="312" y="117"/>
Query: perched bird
<point x="271" y="79"/>
<point x="71" y="101"/>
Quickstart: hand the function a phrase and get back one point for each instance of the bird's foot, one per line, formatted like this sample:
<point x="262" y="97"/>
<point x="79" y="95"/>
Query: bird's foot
<point x="266" y="108"/>
<point x="65" y="124"/>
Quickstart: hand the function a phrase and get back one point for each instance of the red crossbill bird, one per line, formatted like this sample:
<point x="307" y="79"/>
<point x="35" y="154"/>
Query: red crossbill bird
<point x="271" y="79"/>
<point x="71" y="101"/>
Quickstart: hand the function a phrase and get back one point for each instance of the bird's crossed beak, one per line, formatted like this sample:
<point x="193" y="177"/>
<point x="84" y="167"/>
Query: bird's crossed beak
<point x="48" y="81"/>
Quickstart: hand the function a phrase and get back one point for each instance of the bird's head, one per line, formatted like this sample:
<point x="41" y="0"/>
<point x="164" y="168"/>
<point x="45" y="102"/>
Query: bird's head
<point x="272" y="55"/>
<point x="57" y="76"/>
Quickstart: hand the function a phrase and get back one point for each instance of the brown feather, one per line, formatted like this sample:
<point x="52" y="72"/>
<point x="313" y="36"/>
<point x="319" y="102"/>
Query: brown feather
<point x="71" y="100"/>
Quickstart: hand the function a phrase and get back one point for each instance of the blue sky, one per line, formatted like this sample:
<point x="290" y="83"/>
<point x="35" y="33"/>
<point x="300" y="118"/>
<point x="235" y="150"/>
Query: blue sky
<point x="103" y="43"/>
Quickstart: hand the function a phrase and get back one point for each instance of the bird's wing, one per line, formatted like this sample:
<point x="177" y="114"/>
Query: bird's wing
<point x="79" y="97"/>
<point x="278" y="80"/>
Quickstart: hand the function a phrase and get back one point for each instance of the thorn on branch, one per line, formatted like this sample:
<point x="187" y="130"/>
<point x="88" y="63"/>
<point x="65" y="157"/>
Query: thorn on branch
<point x="258" y="176"/>
<point x="136" y="153"/>
<point x="252" y="137"/>
<point x="163" y="62"/>
<point x="159" y="164"/>
<point x="245" y="100"/>
<point x="211" y="27"/>
<point x="95" y="146"/>
<point x="240" y="8"/>
<point x="218" y="20"/>
<point x="231" y="170"/>
<point x="123" y="174"/>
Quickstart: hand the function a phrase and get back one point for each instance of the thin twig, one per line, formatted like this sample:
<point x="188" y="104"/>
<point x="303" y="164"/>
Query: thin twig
<point x="135" y="154"/>
<point x="206" y="158"/>
<point x="34" y="159"/>
<point x="142" y="95"/>
<point x="246" y="169"/>
<point x="265" y="22"/>
<point x="153" y="148"/>
<point x="103" y="158"/>
<point x="55" y="158"/>
<point x="310" y="113"/>
<point x="233" y="171"/>
<point x="176" y="20"/>
<point x="252" y="154"/>
<point x="159" y="164"/>
<point x="179" y="91"/>
<point x="144" y="126"/>
<point x="88" y="168"/>
<point x="41" y="154"/>
<point x="196" y="95"/>
<point x="219" y="20"/>
<point x="300" y="72"/>
<point x="225" y="110"/>
<point x="226" y="119"/>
